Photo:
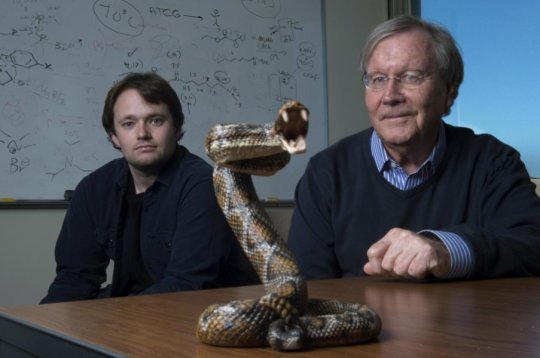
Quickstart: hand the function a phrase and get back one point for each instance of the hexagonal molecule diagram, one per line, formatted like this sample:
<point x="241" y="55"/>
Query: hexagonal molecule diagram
<point x="21" y="58"/>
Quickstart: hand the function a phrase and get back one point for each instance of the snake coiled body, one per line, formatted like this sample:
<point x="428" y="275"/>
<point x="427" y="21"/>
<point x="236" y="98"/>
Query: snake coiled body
<point x="285" y="318"/>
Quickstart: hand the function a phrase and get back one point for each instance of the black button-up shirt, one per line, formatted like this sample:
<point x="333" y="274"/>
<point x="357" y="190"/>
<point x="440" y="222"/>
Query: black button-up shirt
<point x="185" y="241"/>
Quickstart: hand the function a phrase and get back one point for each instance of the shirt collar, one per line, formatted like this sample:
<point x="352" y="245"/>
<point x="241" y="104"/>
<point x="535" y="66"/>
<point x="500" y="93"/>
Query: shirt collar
<point x="166" y="176"/>
<point x="383" y="160"/>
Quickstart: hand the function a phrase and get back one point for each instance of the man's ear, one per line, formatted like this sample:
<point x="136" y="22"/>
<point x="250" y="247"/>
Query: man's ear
<point x="114" y="140"/>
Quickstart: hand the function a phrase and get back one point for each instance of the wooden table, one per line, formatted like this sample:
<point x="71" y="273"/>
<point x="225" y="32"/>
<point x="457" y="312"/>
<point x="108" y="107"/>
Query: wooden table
<point x="491" y="318"/>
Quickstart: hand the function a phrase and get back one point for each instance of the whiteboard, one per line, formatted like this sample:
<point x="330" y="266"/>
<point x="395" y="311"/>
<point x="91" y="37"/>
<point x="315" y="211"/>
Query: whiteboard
<point x="228" y="60"/>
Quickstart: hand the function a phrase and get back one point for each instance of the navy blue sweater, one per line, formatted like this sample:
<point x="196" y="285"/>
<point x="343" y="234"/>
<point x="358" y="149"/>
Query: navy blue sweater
<point x="480" y="191"/>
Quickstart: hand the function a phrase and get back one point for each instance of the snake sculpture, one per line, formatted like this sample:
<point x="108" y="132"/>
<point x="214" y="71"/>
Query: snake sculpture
<point x="284" y="318"/>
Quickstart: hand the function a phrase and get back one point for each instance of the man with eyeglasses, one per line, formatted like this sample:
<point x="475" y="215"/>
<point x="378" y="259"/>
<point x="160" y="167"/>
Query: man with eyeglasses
<point x="413" y="197"/>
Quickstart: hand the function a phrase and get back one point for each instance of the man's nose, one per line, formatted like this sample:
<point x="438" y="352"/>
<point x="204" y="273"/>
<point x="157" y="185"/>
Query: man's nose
<point x="392" y="91"/>
<point x="143" y="130"/>
<point x="393" y="85"/>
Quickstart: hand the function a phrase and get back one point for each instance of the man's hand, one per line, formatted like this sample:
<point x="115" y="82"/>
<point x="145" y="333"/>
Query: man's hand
<point x="404" y="253"/>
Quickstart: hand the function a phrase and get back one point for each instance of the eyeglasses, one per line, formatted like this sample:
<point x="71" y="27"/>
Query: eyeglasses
<point x="408" y="80"/>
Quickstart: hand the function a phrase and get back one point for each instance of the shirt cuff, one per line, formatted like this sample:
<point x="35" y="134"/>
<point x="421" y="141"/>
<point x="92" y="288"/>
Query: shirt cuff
<point x="460" y="254"/>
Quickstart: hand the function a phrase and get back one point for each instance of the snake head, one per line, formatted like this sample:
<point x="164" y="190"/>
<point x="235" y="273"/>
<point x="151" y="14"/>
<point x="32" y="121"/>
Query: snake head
<point x="291" y="126"/>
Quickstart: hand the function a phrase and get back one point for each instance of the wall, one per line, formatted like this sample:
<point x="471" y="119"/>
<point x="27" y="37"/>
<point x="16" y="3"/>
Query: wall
<point x="28" y="235"/>
<point x="347" y="25"/>
<point x="26" y="253"/>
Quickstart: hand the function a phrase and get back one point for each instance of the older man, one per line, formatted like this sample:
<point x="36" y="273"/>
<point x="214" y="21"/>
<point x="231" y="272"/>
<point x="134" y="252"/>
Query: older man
<point x="414" y="197"/>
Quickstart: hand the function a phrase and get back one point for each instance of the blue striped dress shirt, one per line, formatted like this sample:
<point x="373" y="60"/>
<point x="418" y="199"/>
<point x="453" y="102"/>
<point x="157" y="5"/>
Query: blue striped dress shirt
<point x="461" y="257"/>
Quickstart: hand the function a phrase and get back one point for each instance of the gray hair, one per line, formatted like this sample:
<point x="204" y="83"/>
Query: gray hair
<point x="446" y="51"/>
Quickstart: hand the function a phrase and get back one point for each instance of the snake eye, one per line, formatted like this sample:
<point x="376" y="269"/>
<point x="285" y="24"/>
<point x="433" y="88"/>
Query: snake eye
<point x="285" y="116"/>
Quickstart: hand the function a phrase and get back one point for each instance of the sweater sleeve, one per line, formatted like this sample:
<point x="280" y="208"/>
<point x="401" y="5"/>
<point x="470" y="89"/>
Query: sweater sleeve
<point x="505" y="240"/>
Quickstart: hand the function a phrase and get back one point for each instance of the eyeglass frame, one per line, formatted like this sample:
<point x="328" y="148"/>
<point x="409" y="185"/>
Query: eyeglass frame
<point x="422" y="76"/>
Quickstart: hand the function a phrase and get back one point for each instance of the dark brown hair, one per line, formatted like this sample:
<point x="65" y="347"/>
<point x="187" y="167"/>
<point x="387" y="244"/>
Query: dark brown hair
<point x="153" y="88"/>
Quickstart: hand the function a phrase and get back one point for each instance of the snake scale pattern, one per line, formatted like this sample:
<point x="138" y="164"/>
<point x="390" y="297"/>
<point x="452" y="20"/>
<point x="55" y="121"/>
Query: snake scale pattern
<point x="285" y="318"/>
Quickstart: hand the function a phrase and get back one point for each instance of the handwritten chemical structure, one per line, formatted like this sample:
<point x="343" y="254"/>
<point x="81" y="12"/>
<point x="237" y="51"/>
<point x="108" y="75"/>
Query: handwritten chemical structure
<point x="17" y="58"/>
<point x="18" y="161"/>
<point x="68" y="168"/>
<point x="228" y="60"/>
<point x="224" y="34"/>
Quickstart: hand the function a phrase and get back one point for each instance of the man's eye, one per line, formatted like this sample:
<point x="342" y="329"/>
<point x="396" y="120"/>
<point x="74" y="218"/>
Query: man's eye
<point x="157" y="121"/>
<point x="378" y="79"/>
<point x="411" y="78"/>
<point x="127" y="124"/>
